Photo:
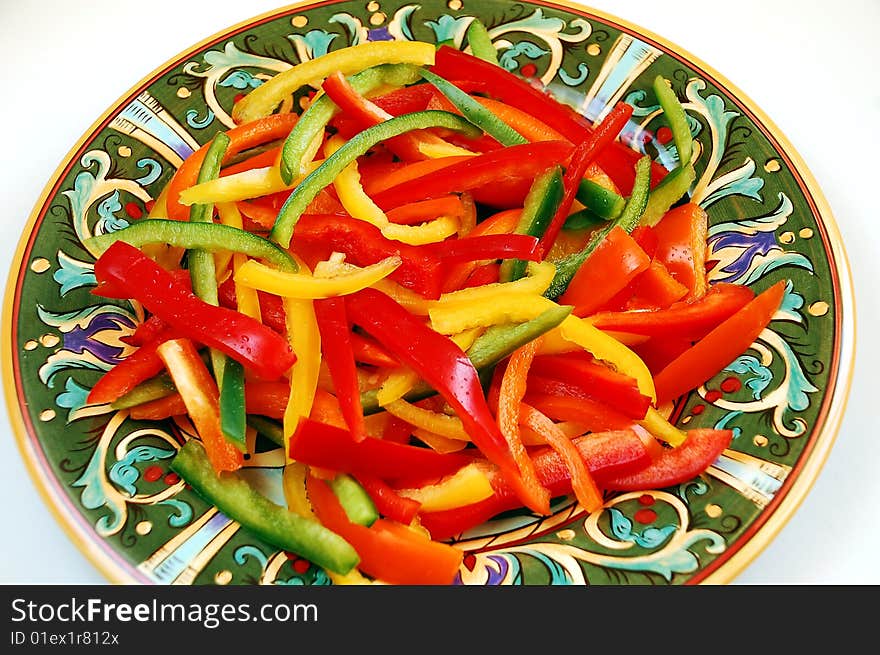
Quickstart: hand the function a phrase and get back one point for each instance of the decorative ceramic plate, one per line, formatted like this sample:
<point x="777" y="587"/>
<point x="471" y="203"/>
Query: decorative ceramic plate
<point x="106" y="477"/>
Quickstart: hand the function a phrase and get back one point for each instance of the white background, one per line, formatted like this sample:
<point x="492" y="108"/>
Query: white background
<point x="810" y="65"/>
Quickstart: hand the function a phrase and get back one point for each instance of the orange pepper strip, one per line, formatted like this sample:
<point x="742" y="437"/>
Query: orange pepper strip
<point x="513" y="387"/>
<point x="241" y="138"/>
<point x="426" y="210"/>
<point x="161" y="408"/>
<point x="410" y="172"/>
<point x="582" y="482"/>
<point x="503" y="222"/>
<point x="202" y="399"/>
<point x="718" y="348"/>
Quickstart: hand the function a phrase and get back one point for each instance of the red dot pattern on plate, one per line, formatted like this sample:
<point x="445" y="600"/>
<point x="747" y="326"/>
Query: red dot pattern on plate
<point x="153" y="473"/>
<point x="133" y="210"/>
<point x="698" y="409"/>
<point x="731" y="385"/>
<point x="645" y="516"/>
<point x="529" y="70"/>
<point x="664" y="135"/>
<point x="172" y="478"/>
<point x="713" y="395"/>
<point x="646" y="499"/>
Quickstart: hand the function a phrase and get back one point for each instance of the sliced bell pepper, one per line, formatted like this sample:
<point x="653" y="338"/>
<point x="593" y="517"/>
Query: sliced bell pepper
<point x="567" y="267"/>
<point x="241" y="138"/>
<point x="440" y="362"/>
<point x="480" y="42"/>
<point x="306" y="190"/>
<point x="470" y="484"/>
<point x="141" y="365"/>
<point x="718" y="348"/>
<point x="201" y="397"/>
<point x="582" y="483"/>
<point x="503" y="222"/>
<point x="606" y="455"/>
<point x="262" y="100"/>
<point x="518" y="162"/>
<point x="595" y="416"/>
<point x="683" y="320"/>
<point x="539" y="207"/>
<point x="327" y="446"/>
<point x="655" y="288"/>
<point x="301" y="285"/>
<point x="417" y="559"/>
<point x="510" y="396"/>
<point x="488" y="246"/>
<point x="388" y="501"/>
<point x="582" y="156"/>
<point x="159" y="409"/>
<point x="304" y="337"/>
<point x="674" y="114"/>
<point x="681" y="246"/>
<point x="278" y="526"/>
<point x="675" y="465"/>
<point x="615" y="262"/>
<point x="503" y="85"/>
<point x="364" y="244"/>
<point x="124" y="272"/>
<point x="672" y="189"/>
<point x="595" y="380"/>
<point x="505" y="307"/>
<point x="337" y="351"/>
<point x="423" y="210"/>
<point x="407" y="172"/>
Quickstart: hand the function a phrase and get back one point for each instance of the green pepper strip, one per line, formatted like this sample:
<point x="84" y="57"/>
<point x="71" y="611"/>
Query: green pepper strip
<point x="602" y="201"/>
<point x="582" y="220"/>
<point x="628" y="219"/>
<point x="156" y="387"/>
<point x="318" y="115"/>
<point x="233" y="421"/>
<point x="675" y="116"/>
<point x="358" y="145"/>
<point x="279" y="527"/>
<point x="675" y="185"/>
<point x="480" y="42"/>
<point x="357" y="503"/>
<point x="212" y="237"/>
<point x="539" y="207"/>
<point x="491" y="347"/>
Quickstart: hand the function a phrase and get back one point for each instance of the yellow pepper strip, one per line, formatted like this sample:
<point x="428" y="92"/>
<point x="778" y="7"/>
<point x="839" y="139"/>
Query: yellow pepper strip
<point x="353" y="577"/>
<point x="166" y="256"/>
<point x="241" y="186"/>
<point x="609" y="350"/>
<point x="413" y="302"/>
<point x="442" y="424"/>
<point x="396" y="385"/>
<point x="437" y="148"/>
<point x="538" y="277"/>
<point x="247" y="300"/>
<point x="305" y="339"/>
<point x="359" y="205"/>
<point x="470" y="484"/>
<point x="439" y="443"/>
<point x="450" y="318"/>
<point x="303" y="285"/>
<point x="261" y="101"/>
<point x="293" y="481"/>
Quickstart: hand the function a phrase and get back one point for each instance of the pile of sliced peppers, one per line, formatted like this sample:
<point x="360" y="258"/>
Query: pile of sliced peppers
<point x="443" y="293"/>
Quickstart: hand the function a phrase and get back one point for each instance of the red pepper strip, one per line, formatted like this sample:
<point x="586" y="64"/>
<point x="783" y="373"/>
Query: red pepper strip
<point x="159" y="409"/>
<point x="426" y="210"/>
<point x="319" y="444"/>
<point x="512" y="163"/>
<point x="595" y="416"/>
<point x="123" y="271"/>
<point x="513" y="387"/>
<point x="366" y="114"/>
<point x="271" y="306"/>
<point x="485" y="274"/>
<point x="655" y="288"/>
<point x="389" y="503"/>
<point x="645" y="236"/>
<point x="606" y="454"/>
<point x="141" y="365"/>
<point x="612" y="266"/>
<point x="681" y="246"/>
<point x="503" y="222"/>
<point x="262" y="160"/>
<point x="487" y="246"/>
<point x="440" y="363"/>
<point x="596" y="380"/>
<point x="241" y="138"/>
<point x="676" y="465"/>
<point x="721" y="346"/>
<point x="367" y="351"/>
<point x="202" y="399"/>
<point x="582" y="483"/>
<point x="685" y="320"/>
<point x="337" y="351"/>
<point x="375" y="184"/>
<point x="364" y="244"/>
<point x="617" y="160"/>
<point x="583" y="155"/>
<point x="388" y="551"/>
<point x="657" y="352"/>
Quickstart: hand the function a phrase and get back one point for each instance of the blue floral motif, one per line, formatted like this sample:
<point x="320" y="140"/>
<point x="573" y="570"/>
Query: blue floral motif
<point x="125" y="474"/>
<point x="107" y="220"/>
<point x="650" y="537"/>
<point x="760" y="377"/>
<point x="508" y="58"/>
<point x="241" y="80"/>
<point x="72" y="273"/>
<point x="72" y="398"/>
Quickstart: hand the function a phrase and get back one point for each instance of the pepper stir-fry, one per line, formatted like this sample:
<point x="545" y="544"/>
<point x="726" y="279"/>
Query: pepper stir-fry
<point x="442" y="292"/>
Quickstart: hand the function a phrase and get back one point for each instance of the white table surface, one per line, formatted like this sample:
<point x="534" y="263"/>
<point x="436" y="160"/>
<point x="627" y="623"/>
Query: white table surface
<point x="810" y="65"/>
